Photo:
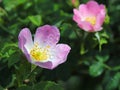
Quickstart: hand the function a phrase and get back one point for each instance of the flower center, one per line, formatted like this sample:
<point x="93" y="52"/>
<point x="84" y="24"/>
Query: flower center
<point x="91" y="20"/>
<point x="39" y="54"/>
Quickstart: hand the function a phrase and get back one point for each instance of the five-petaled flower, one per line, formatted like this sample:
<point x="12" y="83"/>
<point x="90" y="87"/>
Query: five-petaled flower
<point x="44" y="50"/>
<point x="90" y="16"/>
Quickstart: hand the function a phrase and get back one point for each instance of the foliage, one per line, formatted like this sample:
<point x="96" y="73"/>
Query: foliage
<point x="94" y="60"/>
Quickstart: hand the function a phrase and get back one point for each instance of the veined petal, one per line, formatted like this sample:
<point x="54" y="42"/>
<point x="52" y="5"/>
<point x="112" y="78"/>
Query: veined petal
<point x="59" y="55"/>
<point x="25" y="39"/>
<point x="47" y="35"/>
<point x="76" y="18"/>
<point x="25" y="42"/>
<point x="99" y="22"/>
<point x="83" y="10"/>
<point x="46" y="65"/>
<point x="102" y="9"/>
<point x="76" y="12"/>
<point x="93" y="7"/>
<point x="85" y="26"/>
<point x="27" y="54"/>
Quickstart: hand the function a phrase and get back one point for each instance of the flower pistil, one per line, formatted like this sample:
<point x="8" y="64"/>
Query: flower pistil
<point x="91" y="20"/>
<point x="39" y="54"/>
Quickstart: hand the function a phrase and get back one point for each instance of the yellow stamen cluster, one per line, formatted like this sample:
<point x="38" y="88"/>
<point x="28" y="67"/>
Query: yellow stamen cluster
<point x="39" y="54"/>
<point x="91" y="20"/>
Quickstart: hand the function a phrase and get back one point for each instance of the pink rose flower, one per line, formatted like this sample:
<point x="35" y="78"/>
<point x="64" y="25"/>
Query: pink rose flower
<point x="44" y="50"/>
<point x="90" y="16"/>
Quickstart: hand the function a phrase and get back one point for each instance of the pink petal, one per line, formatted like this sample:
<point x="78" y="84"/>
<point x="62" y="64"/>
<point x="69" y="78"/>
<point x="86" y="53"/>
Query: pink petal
<point x="83" y="10"/>
<point x="47" y="35"/>
<point x="76" y="19"/>
<point x="93" y="7"/>
<point x="25" y="41"/>
<point x="102" y="10"/>
<point x="46" y="65"/>
<point x="85" y="26"/>
<point x="61" y="53"/>
<point x="76" y="12"/>
<point x="99" y="21"/>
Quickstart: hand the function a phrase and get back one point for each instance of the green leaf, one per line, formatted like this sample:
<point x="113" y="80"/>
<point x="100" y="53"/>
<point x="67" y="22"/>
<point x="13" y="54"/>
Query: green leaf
<point x="102" y="58"/>
<point x="104" y="34"/>
<point x="82" y="49"/>
<point x="116" y="68"/>
<point x="107" y="19"/>
<point x="11" y="4"/>
<point x="22" y="71"/>
<point x="66" y="32"/>
<point x="73" y="83"/>
<point x="24" y="88"/>
<point x="97" y="36"/>
<point x="114" y="82"/>
<point x="8" y="45"/>
<point x="58" y="24"/>
<point x="13" y="59"/>
<point x="2" y="12"/>
<point x="8" y="49"/>
<point x="101" y="39"/>
<point x="1" y="88"/>
<point x="33" y="67"/>
<point x="36" y="20"/>
<point x="12" y="82"/>
<point x="96" y="69"/>
<point x="47" y="86"/>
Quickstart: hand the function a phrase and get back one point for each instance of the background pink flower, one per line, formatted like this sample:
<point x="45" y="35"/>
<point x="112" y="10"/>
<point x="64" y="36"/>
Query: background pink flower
<point x="90" y="16"/>
<point x="44" y="51"/>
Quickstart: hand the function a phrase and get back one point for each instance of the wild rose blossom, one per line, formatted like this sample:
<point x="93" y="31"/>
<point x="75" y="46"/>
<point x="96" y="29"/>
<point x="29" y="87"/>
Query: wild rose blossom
<point x="90" y="16"/>
<point x="44" y="50"/>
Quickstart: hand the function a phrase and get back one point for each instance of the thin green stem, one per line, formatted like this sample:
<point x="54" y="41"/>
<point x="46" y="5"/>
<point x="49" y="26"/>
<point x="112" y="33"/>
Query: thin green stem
<point x="108" y="67"/>
<point x="85" y="35"/>
<point x="116" y="68"/>
<point x="76" y="33"/>
<point x="112" y="68"/>
<point x="31" y="72"/>
<point x="5" y="29"/>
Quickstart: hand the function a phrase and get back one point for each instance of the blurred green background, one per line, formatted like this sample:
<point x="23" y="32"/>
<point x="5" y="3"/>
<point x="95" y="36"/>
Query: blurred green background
<point x="94" y="60"/>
